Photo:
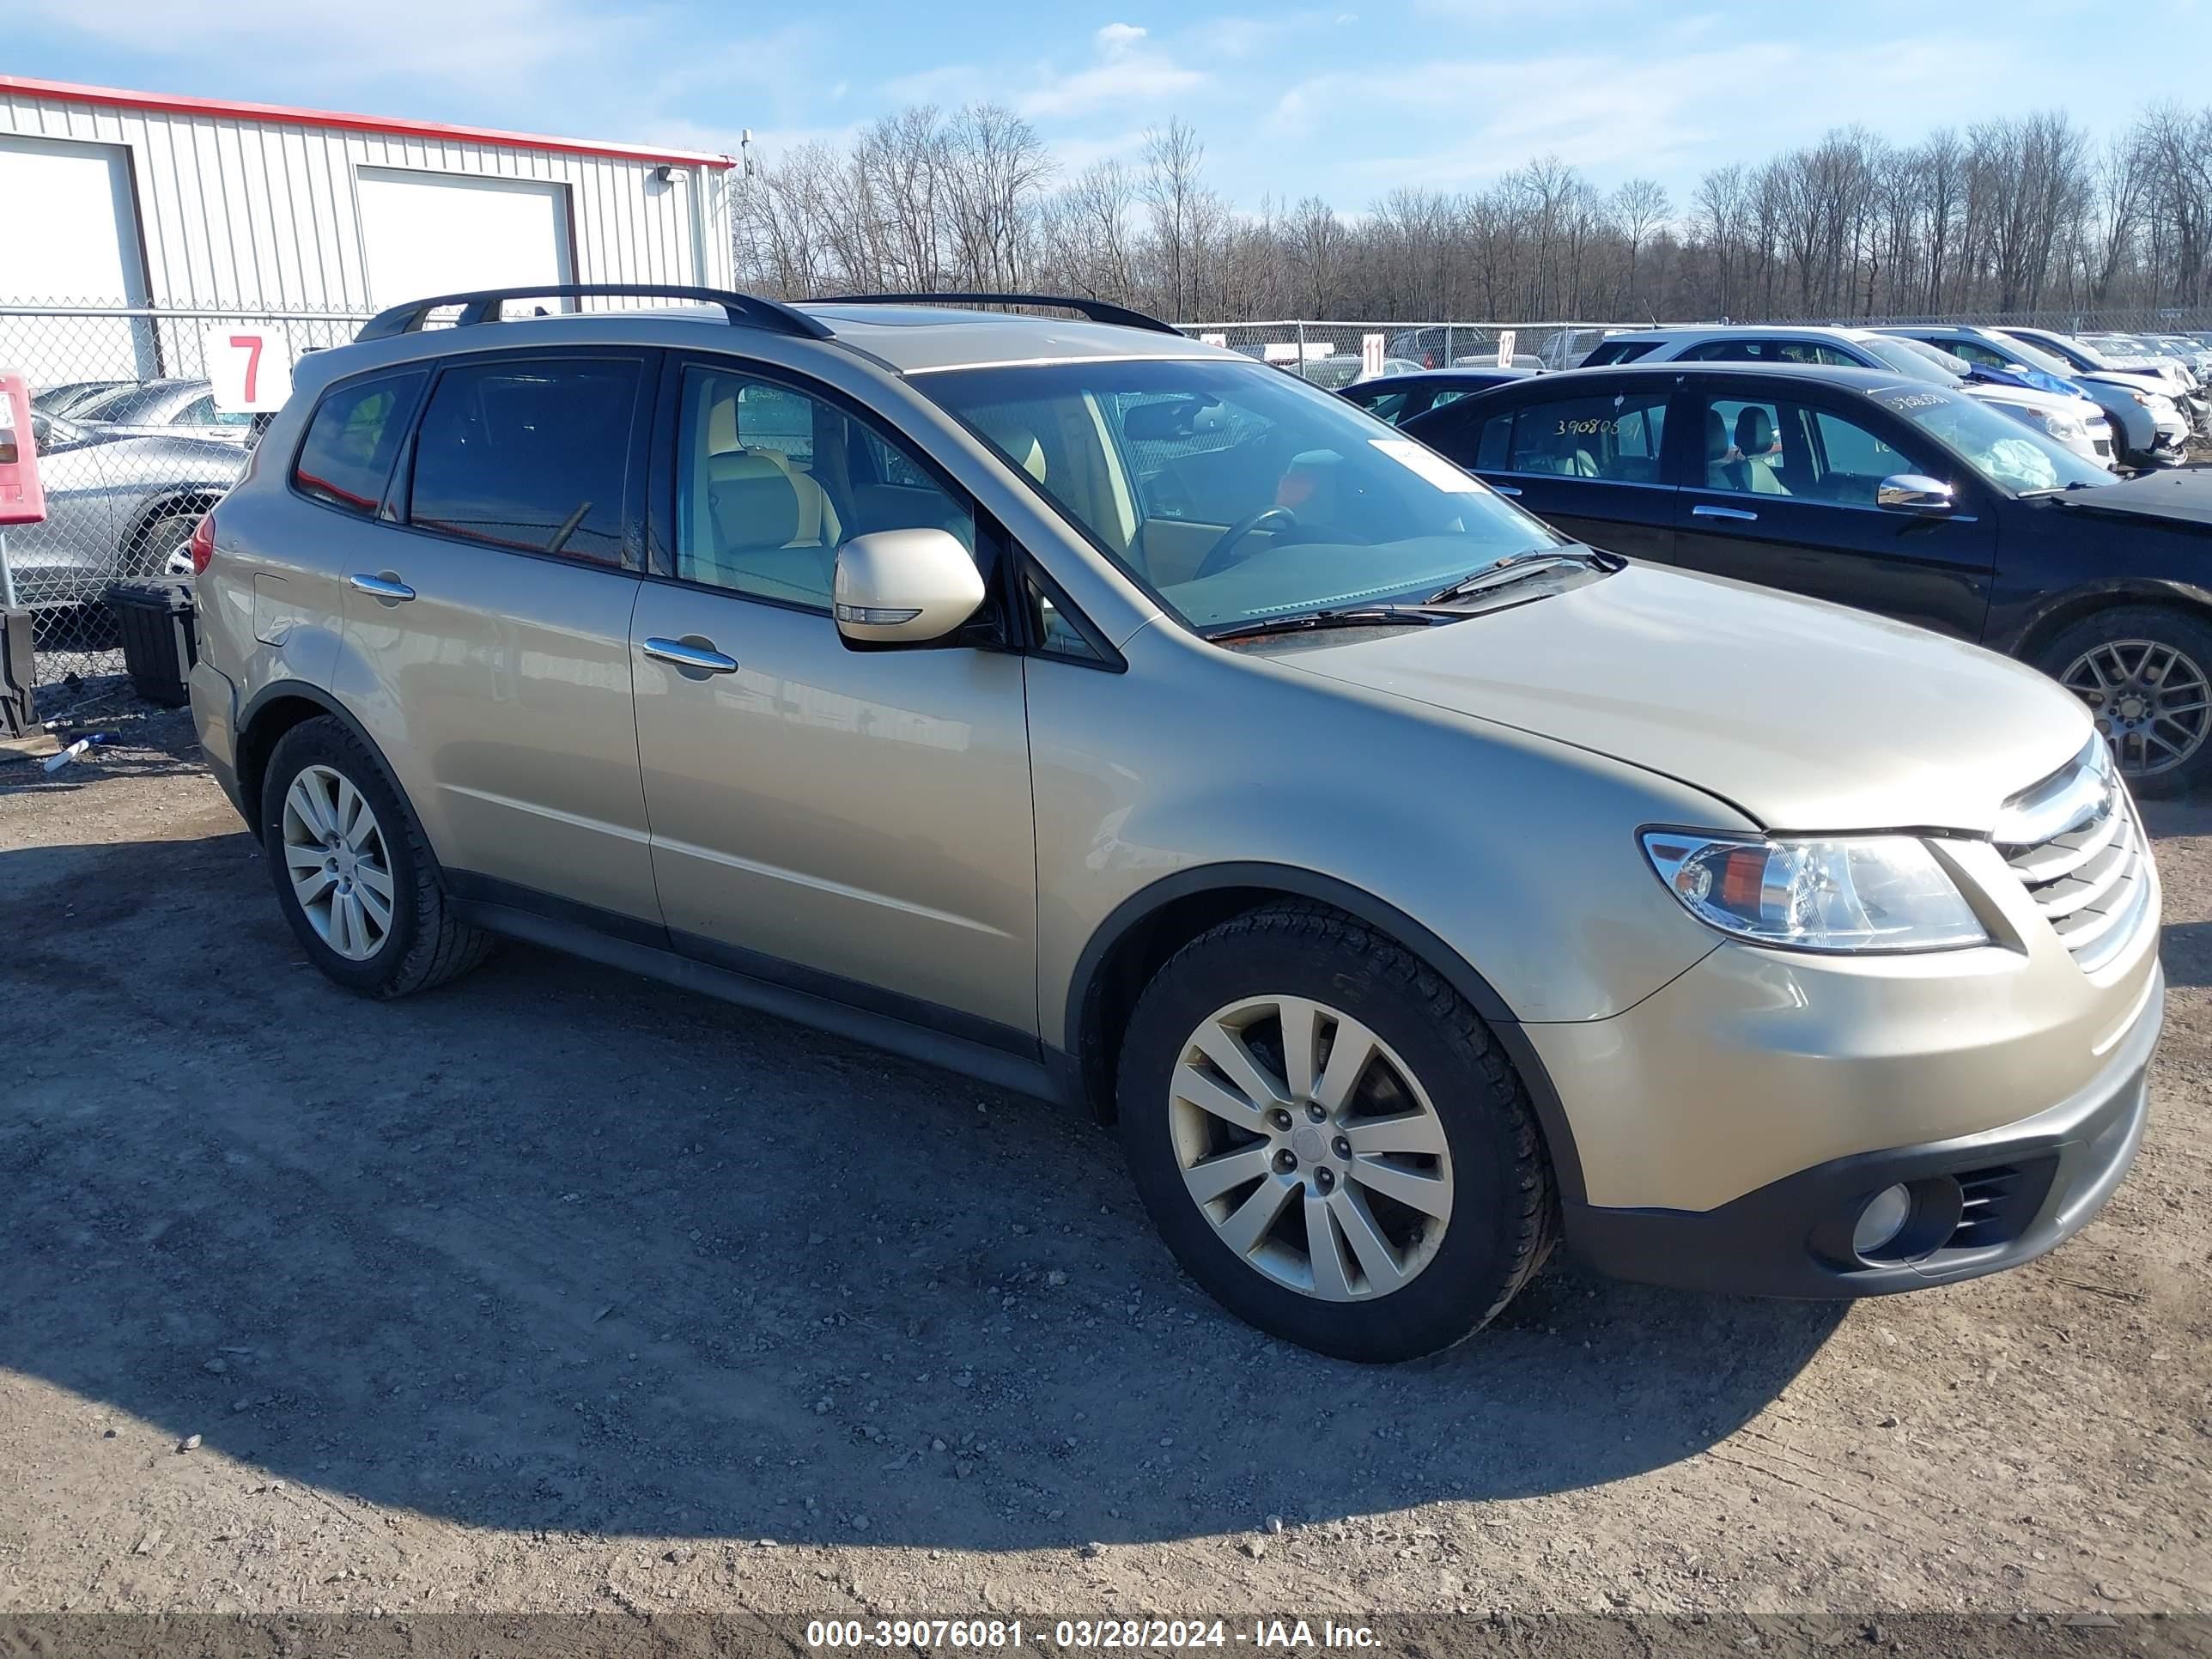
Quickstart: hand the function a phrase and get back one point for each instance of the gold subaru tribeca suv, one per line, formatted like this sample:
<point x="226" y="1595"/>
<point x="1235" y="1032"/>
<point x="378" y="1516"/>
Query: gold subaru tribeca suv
<point x="1119" y="719"/>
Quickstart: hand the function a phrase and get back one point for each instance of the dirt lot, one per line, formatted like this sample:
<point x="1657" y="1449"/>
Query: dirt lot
<point x="558" y="1290"/>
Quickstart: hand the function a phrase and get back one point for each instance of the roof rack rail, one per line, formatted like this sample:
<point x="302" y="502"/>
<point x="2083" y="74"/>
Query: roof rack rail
<point x="482" y="306"/>
<point x="1098" y="311"/>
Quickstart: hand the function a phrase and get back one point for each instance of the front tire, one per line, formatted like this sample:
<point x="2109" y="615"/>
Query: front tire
<point x="1329" y="1139"/>
<point x="353" y="872"/>
<point x="2145" y="673"/>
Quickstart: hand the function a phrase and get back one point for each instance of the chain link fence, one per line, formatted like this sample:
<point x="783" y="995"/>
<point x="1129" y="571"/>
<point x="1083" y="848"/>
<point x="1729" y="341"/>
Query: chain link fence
<point x="131" y="451"/>
<point x="1335" y="353"/>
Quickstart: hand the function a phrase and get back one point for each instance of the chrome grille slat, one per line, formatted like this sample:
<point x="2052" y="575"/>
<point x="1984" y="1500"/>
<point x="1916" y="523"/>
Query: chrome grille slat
<point x="2063" y="855"/>
<point x="2074" y="842"/>
<point x="2084" y="887"/>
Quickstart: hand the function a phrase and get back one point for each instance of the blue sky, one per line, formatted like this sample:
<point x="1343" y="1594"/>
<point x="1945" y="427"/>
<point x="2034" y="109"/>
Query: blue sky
<point x="1346" y="99"/>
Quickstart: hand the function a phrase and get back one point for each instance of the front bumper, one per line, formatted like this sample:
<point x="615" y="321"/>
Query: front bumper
<point x="1982" y="1202"/>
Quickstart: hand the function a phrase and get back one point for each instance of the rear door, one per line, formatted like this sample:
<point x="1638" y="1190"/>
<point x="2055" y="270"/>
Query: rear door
<point x="487" y="620"/>
<point x="1780" y="490"/>
<point x="1586" y="457"/>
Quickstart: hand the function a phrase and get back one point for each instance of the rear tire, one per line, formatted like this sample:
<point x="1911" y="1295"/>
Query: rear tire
<point x="353" y="872"/>
<point x="1357" y="1148"/>
<point x="2144" y="671"/>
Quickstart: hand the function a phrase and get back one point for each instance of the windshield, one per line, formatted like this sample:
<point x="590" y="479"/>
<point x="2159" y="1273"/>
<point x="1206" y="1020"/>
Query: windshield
<point x="1236" y="493"/>
<point x="2007" y="452"/>
<point x="1920" y="362"/>
<point x="2034" y="356"/>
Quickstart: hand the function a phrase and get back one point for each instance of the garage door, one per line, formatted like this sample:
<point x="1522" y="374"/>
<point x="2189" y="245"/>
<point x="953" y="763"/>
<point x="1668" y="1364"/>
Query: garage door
<point x="72" y="236"/>
<point x="444" y="233"/>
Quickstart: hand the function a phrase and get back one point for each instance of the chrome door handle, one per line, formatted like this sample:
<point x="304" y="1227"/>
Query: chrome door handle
<point x="381" y="587"/>
<point x="1702" y="512"/>
<point x="682" y="653"/>
<point x="1505" y="490"/>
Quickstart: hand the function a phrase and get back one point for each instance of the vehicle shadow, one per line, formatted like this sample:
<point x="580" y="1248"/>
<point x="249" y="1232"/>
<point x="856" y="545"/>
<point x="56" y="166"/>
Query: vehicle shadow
<point x="555" y="1249"/>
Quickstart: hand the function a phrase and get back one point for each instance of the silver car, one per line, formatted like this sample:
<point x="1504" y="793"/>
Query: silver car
<point x="182" y="408"/>
<point x="1117" y="720"/>
<point x="118" y="504"/>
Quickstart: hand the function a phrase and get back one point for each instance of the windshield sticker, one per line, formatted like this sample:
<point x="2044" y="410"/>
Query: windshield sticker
<point x="1427" y="464"/>
<point x="1902" y="401"/>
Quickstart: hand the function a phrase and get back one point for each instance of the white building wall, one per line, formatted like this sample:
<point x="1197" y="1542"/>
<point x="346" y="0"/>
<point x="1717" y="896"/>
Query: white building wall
<point x="236" y="212"/>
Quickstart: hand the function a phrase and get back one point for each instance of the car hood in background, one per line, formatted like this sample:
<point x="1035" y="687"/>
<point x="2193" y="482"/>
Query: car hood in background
<point x="1805" y="715"/>
<point x="2182" y="497"/>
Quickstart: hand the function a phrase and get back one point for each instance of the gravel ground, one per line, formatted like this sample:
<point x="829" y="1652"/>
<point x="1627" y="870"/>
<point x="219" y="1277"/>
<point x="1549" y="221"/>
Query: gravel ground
<point x="557" y="1289"/>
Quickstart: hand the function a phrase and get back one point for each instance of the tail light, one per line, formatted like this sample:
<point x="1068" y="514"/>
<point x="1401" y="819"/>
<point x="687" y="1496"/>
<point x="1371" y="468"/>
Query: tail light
<point x="203" y="544"/>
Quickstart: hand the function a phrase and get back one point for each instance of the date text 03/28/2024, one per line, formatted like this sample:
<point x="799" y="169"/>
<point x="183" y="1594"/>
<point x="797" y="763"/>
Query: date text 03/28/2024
<point x="1086" y="1634"/>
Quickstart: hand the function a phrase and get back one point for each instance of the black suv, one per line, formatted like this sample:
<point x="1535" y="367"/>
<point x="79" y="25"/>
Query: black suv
<point x="1890" y="494"/>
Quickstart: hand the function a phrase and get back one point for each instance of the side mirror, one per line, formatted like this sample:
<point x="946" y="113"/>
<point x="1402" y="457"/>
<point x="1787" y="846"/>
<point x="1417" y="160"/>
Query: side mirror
<point x="905" y="587"/>
<point x="1910" y="492"/>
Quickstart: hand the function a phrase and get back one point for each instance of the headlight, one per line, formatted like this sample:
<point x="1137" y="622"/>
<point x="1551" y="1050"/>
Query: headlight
<point x="2065" y="428"/>
<point x="1844" y="894"/>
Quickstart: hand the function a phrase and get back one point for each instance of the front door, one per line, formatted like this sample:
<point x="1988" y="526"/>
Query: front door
<point x="1782" y="492"/>
<point x="850" y="823"/>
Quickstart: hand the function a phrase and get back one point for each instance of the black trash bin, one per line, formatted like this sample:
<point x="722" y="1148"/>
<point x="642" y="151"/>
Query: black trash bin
<point x="159" y="645"/>
<point x="16" y="676"/>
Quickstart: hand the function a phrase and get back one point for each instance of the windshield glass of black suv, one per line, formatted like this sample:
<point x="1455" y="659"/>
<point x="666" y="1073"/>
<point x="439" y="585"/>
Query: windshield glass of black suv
<point x="1236" y="493"/>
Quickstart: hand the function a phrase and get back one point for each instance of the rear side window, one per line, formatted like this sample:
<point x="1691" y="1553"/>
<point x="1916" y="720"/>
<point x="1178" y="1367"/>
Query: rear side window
<point x="1619" y="351"/>
<point x="1605" y="435"/>
<point x="528" y="455"/>
<point x="347" y="455"/>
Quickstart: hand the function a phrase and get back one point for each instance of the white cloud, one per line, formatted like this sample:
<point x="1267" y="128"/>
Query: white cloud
<point x="495" y="47"/>
<point x="1129" y="69"/>
<point x="1462" y="123"/>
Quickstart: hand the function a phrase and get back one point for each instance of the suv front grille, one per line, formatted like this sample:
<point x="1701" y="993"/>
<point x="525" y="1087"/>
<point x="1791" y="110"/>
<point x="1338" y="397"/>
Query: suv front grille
<point x="2074" y="842"/>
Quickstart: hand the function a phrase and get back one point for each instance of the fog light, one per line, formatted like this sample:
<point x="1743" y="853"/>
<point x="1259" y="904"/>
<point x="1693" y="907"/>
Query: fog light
<point x="1882" y="1219"/>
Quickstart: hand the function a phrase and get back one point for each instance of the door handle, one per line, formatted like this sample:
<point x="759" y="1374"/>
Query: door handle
<point x="1506" y="489"/>
<point x="701" y="658"/>
<point x="1701" y="510"/>
<point x="390" y="589"/>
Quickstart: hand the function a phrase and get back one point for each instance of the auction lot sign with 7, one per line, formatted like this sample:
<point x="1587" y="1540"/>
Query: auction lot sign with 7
<point x="249" y="365"/>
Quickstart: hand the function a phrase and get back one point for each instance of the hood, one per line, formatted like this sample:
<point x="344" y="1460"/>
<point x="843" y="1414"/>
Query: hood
<point x="2134" y="381"/>
<point x="2183" y="496"/>
<point x="1804" y="715"/>
<point x="2027" y="397"/>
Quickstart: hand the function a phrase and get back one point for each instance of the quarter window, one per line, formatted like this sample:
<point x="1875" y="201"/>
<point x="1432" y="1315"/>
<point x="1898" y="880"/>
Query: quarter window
<point x="770" y="481"/>
<point x="346" y="458"/>
<point x="1614" y="435"/>
<point x="528" y="455"/>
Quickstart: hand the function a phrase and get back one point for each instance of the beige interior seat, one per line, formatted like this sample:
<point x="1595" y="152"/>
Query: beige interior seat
<point x="728" y="461"/>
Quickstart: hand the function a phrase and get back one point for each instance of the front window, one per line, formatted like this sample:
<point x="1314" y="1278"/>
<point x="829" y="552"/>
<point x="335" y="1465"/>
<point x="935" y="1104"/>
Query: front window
<point x="1233" y="493"/>
<point x="1922" y="362"/>
<point x="2007" y="453"/>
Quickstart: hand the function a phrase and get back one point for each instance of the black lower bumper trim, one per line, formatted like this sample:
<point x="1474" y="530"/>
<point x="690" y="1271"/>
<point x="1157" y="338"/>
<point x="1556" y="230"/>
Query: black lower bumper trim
<point x="1982" y="1202"/>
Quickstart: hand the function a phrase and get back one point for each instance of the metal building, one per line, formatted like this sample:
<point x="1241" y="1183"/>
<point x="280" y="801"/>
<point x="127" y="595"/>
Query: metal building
<point x="147" y="201"/>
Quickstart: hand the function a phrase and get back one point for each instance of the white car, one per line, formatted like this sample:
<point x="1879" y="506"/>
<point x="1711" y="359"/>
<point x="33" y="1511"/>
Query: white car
<point x="2076" y="422"/>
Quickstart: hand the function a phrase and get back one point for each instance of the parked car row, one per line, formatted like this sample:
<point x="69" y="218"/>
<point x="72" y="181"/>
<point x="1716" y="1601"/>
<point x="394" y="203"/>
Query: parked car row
<point x="1879" y="487"/>
<point x="898" y="670"/>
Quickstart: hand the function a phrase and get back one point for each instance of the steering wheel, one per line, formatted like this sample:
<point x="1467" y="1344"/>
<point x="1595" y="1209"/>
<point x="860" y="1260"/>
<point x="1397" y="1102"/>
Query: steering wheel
<point x="1217" y="557"/>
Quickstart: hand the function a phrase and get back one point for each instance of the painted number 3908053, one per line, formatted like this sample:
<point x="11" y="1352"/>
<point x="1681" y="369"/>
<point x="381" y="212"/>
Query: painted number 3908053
<point x="1582" y="427"/>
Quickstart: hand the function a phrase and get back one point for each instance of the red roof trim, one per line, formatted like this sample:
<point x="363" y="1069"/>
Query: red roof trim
<point x="224" y="109"/>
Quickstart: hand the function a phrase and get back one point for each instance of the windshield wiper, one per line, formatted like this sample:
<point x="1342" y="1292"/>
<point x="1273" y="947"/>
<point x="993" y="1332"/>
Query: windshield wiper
<point x="1519" y="565"/>
<point x="1364" y="615"/>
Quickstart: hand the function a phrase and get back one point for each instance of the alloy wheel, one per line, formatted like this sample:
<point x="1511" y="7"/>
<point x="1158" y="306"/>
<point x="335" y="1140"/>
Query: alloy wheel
<point x="340" y="868"/>
<point x="1310" y="1147"/>
<point x="2152" y="701"/>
